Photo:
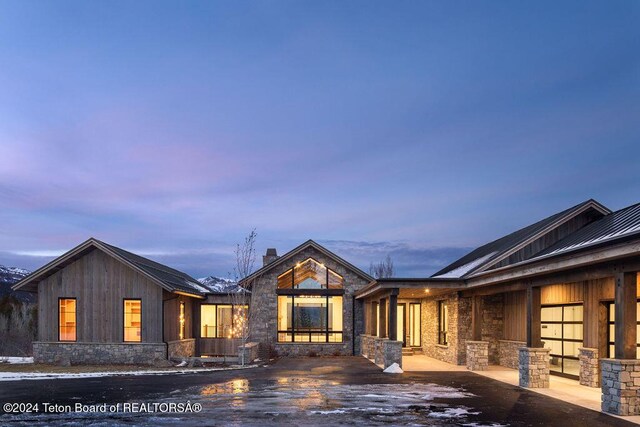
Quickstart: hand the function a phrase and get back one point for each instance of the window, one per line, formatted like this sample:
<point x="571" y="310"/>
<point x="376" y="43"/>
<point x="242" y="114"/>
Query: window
<point x="132" y="320"/>
<point x="414" y="324"/>
<point x="443" y="322"/>
<point x="612" y="330"/>
<point x="67" y="319"/>
<point x="222" y="320"/>
<point x="561" y="331"/>
<point x="181" y="321"/>
<point x="309" y="318"/>
<point x="310" y="274"/>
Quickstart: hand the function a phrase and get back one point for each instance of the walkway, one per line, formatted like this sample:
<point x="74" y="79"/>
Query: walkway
<point x="560" y="388"/>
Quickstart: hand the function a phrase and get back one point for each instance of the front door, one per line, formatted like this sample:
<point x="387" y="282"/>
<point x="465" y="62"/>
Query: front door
<point x="414" y="324"/>
<point x="400" y="321"/>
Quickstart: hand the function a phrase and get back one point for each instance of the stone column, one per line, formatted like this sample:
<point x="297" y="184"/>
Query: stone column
<point x="477" y="355"/>
<point x="379" y="351"/>
<point x="533" y="367"/>
<point x="392" y="353"/>
<point x="363" y="345"/>
<point x="620" y="386"/>
<point x="589" y="367"/>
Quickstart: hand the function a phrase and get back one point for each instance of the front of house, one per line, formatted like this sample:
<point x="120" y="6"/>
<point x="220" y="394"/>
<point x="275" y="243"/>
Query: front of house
<point x="557" y="297"/>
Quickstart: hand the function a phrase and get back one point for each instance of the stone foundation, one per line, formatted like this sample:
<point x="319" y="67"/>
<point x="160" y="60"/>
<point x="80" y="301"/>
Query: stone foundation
<point x="182" y="349"/>
<point x="248" y="353"/>
<point x="77" y="353"/>
<point x="477" y="355"/>
<point x="367" y="346"/>
<point x="620" y="386"/>
<point x="312" y="349"/>
<point x="392" y="351"/>
<point x="533" y="367"/>
<point x="508" y="353"/>
<point x="379" y="351"/>
<point x="589" y="367"/>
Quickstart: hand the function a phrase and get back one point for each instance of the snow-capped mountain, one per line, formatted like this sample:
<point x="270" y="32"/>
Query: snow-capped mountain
<point x="10" y="276"/>
<point x="219" y="285"/>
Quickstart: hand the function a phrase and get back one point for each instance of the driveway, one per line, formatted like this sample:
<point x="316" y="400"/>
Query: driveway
<point x="304" y="391"/>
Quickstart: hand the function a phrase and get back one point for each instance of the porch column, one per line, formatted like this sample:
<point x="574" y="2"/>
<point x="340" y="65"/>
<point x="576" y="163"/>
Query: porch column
<point x="373" y="323"/>
<point x="393" y="315"/>
<point x="383" y="318"/>
<point x="533" y="360"/>
<point x="476" y="318"/>
<point x="195" y="325"/>
<point x="534" y="339"/>
<point x="625" y="328"/>
<point x="619" y="375"/>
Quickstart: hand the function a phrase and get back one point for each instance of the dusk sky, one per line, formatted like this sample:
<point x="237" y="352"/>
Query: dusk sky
<point x="415" y="129"/>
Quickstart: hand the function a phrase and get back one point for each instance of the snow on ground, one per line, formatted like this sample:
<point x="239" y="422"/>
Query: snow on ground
<point x="393" y="369"/>
<point x="18" y="376"/>
<point x="16" y="360"/>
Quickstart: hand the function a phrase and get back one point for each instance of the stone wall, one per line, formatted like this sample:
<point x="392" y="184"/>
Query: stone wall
<point x="533" y="367"/>
<point x="477" y="355"/>
<point x="392" y="353"/>
<point x="248" y="353"/>
<point x="378" y="353"/>
<point x="264" y="309"/>
<point x="181" y="349"/>
<point x="367" y="348"/>
<point x="493" y="326"/>
<point x="620" y="386"/>
<point x="589" y="367"/>
<point x="76" y="353"/>
<point x="508" y="352"/>
<point x="459" y="312"/>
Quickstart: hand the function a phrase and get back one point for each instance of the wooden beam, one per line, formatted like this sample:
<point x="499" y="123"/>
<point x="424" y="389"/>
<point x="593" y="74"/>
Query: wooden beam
<point x="383" y="318"/>
<point x="393" y="317"/>
<point x="625" y="304"/>
<point x="534" y="339"/>
<point x="476" y="318"/>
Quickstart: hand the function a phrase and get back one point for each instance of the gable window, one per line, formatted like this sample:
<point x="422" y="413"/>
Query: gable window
<point x="221" y="320"/>
<point x="132" y="320"/>
<point x="443" y="323"/>
<point x="67" y="319"/>
<point x="309" y="318"/>
<point x="310" y="274"/>
<point x="181" y="321"/>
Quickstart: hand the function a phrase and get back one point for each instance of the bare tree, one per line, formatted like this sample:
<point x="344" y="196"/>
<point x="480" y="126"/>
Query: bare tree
<point x="241" y="295"/>
<point x="382" y="269"/>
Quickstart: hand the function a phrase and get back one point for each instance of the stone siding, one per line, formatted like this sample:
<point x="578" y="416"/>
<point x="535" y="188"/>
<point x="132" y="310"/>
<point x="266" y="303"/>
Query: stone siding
<point x="493" y="325"/>
<point x="589" y="367"/>
<point x="378" y="356"/>
<point x="508" y="353"/>
<point x="620" y="386"/>
<point x="459" y="313"/>
<point x="181" y="349"/>
<point x="392" y="353"/>
<point x="99" y="353"/>
<point x="264" y="310"/>
<point x="477" y="355"/>
<point x="534" y="367"/>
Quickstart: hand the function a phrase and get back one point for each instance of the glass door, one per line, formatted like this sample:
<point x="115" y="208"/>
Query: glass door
<point x="562" y="333"/>
<point x="414" y="324"/>
<point x="400" y="324"/>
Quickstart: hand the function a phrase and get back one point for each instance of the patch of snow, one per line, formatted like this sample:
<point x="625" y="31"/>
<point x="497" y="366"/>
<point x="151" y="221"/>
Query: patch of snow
<point x="393" y="369"/>
<point x="17" y="376"/>
<point x="16" y="360"/>
<point x="464" y="269"/>
<point x="452" y="413"/>
<point x="182" y="364"/>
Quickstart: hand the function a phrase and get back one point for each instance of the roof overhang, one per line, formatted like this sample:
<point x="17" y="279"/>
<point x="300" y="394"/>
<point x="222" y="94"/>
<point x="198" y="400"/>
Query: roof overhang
<point x="382" y="287"/>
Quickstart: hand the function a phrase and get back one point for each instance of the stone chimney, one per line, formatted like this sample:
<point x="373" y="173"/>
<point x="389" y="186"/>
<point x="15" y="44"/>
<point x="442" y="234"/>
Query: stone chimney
<point x="271" y="256"/>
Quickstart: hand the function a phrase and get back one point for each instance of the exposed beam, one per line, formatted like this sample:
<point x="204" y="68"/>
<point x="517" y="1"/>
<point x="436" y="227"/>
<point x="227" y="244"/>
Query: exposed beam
<point x="625" y="306"/>
<point x="476" y="318"/>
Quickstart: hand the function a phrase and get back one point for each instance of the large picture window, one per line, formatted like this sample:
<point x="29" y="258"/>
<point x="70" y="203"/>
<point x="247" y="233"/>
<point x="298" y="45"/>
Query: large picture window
<point x="310" y="274"/>
<point x="221" y="320"/>
<point x="443" y="322"/>
<point x="611" y="330"/>
<point x="309" y="318"/>
<point x="132" y="320"/>
<point x="67" y="319"/>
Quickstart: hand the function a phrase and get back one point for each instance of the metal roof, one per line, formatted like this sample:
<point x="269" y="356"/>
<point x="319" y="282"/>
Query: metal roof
<point x="492" y="252"/>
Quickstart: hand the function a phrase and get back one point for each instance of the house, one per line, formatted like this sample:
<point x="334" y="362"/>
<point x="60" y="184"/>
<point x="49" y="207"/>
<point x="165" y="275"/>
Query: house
<point x="558" y="297"/>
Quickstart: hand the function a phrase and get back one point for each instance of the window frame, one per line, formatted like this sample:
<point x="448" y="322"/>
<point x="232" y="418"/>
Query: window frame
<point x="562" y="339"/>
<point x="216" y="304"/>
<point x="325" y="287"/>
<point x="124" y="314"/>
<point x="443" y="323"/>
<point x="611" y="339"/>
<point x="327" y="332"/>
<point x="75" y="318"/>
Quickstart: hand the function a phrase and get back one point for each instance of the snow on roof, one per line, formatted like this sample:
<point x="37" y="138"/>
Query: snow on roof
<point x="464" y="269"/>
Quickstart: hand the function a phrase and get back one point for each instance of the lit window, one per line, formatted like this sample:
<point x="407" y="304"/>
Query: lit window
<point x="443" y="322"/>
<point x="181" y="322"/>
<point x="309" y="319"/>
<point x="67" y="319"/>
<point x="132" y="320"/>
<point x="310" y="274"/>
<point x="222" y="320"/>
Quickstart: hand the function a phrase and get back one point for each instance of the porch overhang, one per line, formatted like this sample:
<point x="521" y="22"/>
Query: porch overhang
<point x="409" y="287"/>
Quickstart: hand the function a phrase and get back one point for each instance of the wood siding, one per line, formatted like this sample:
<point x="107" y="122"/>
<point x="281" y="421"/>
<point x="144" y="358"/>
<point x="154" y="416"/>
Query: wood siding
<point x="515" y="316"/>
<point x="219" y="346"/>
<point x="99" y="283"/>
<point x="562" y="293"/>
<point x="172" y="316"/>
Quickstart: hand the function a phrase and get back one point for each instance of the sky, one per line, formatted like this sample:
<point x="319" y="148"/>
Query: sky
<point x="417" y="130"/>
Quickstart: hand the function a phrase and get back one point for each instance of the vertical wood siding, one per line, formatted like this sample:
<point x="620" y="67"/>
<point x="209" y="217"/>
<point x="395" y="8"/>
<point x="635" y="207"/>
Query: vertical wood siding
<point x="99" y="283"/>
<point x="172" y="316"/>
<point x="562" y="293"/>
<point x="515" y="316"/>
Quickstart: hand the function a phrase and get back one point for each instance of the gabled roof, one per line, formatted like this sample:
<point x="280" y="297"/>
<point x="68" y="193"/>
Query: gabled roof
<point x="308" y="244"/>
<point x="487" y="255"/>
<point x="166" y="277"/>
<point x="621" y="224"/>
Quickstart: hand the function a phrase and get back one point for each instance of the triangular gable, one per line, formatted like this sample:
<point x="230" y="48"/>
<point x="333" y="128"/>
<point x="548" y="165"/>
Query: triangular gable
<point x="292" y="253"/>
<point x="29" y="283"/>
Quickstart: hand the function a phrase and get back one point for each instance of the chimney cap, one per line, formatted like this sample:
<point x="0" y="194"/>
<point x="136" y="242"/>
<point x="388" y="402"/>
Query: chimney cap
<point x="272" y="252"/>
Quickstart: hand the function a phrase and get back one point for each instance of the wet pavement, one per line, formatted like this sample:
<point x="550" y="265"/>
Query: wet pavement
<point x="305" y="391"/>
